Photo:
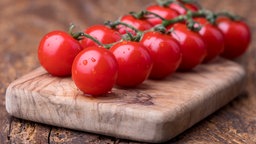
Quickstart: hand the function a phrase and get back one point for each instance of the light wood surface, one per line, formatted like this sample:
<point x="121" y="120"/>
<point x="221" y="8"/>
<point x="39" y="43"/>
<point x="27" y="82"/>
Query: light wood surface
<point x="156" y="111"/>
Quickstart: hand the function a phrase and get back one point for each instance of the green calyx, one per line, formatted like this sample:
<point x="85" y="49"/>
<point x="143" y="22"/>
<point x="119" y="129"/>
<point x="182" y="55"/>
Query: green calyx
<point x="145" y="14"/>
<point x="81" y="35"/>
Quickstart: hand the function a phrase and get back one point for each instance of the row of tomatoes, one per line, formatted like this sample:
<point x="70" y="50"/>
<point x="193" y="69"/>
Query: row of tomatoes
<point x="95" y="69"/>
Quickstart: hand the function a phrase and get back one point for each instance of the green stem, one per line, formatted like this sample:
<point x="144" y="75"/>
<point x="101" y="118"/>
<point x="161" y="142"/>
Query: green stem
<point x="144" y="14"/>
<point x="189" y="1"/>
<point x="128" y="36"/>
<point x="154" y="14"/>
<point x="187" y="17"/>
<point x="108" y="46"/>
<point x="194" y="2"/>
<point x="165" y="3"/>
<point x="81" y="34"/>
<point x="116" y="23"/>
<point x="180" y="18"/>
<point x="71" y="28"/>
<point x="139" y="15"/>
<point x="191" y="23"/>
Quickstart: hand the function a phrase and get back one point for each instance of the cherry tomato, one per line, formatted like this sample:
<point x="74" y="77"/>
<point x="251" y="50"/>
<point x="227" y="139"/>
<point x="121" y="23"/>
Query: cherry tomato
<point x="213" y="38"/>
<point x="164" y="12"/>
<point x="102" y="33"/>
<point x="95" y="70"/>
<point x="183" y="10"/>
<point x="165" y="52"/>
<point x="139" y="24"/>
<point x="134" y="62"/>
<point x="56" y="53"/>
<point x="237" y="37"/>
<point x="192" y="46"/>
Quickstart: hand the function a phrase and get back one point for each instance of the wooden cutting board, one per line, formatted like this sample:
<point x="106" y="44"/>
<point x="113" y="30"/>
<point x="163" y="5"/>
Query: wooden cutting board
<point x="154" y="112"/>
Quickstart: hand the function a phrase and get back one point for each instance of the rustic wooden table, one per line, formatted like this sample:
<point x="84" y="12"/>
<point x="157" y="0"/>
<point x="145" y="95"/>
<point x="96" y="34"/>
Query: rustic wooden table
<point x="24" y="22"/>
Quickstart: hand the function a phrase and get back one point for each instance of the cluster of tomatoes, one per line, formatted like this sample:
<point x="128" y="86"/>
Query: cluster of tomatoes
<point x="151" y="44"/>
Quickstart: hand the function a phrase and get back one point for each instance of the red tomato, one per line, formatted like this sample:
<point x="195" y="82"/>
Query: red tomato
<point x="134" y="62"/>
<point x="139" y="24"/>
<point x="165" y="52"/>
<point x="192" y="46"/>
<point x="56" y="53"/>
<point x="237" y="37"/>
<point x="181" y="10"/>
<point x="164" y="12"/>
<point x="102" y="33"/>
<point x="213" y="38"/>
<point x="95" y="70"/>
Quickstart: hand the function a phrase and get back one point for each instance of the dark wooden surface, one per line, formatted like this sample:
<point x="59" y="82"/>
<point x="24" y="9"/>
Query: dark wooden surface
<point x="24" y="22"/>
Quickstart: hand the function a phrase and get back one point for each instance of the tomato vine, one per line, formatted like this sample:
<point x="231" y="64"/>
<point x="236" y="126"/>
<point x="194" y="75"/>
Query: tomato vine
<point x="152" y="43"/>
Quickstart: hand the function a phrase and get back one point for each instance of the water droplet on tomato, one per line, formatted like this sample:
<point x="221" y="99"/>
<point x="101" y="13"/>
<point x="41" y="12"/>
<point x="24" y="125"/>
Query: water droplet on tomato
<point x="85" y="62"/>
<point x="93" y="59"/>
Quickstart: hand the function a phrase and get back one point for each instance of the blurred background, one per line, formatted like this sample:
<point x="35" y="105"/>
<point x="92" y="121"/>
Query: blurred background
<point x="24" y="22"/>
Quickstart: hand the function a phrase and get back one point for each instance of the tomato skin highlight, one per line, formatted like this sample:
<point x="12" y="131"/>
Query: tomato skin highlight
<point x="165" y="52"/>
<point x="102" y="33"/>
<point x="134" y="63"/>
<point x="139" y="24"/>
<point x="56" y="53"/>
<point x="192" y="46"/>
<point x="164" y="12"/>
<point x="95" y="71"/>
<point x="213" y="38"/>
<point x="237" y="37"/>
<point x="182" y="10"/>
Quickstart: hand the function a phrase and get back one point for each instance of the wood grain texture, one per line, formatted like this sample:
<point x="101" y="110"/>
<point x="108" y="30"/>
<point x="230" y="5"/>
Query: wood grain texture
<point x="24" y="22"/>
<point x="155" y="112"/>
